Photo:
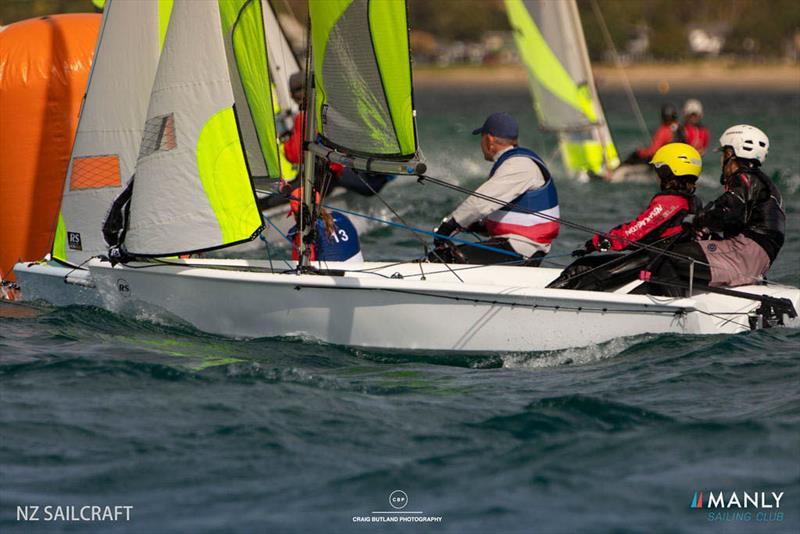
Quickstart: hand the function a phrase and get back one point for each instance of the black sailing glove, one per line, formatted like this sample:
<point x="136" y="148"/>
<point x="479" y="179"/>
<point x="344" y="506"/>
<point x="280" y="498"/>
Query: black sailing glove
<point x="447" y="228"/>
<point x="581" y="252"/>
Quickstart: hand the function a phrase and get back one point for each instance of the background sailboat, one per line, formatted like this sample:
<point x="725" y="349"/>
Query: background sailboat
<point x="551" y="44"/>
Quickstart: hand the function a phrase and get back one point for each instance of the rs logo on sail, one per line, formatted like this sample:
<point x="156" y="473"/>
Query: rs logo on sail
<point x="74" y="241"/>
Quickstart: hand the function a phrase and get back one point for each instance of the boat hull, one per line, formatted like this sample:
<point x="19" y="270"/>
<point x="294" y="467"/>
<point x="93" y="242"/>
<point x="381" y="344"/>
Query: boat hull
<point x="505" y="309"/>
<point x="54" y="283"/>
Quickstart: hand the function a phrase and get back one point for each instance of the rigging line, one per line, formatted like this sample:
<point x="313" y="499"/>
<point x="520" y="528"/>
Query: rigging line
<point x="394" y="212"/>
<point x="426" y="232"/>
<point x="618" y="62"/>
<point x="556" y="307"/>
<point x="77" y="268"/>
<point x="584" y="228"/>
<point x="615" y="261"/>
<point x="406" y="227"/>
<point x="286" y="237"/>
<point x="630" y="243"/>
<point x="309" y="86"/>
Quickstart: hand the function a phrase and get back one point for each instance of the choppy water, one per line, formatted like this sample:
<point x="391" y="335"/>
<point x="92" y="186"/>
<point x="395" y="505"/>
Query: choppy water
<point x="205" y="434"/>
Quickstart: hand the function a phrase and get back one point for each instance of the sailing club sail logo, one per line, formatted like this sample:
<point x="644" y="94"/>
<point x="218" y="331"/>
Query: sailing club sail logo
<point x="74" y="241"/>
<point x="722" y="506"/>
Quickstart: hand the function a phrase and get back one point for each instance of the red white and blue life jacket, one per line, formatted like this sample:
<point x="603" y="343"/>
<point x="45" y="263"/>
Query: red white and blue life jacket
<point x="527" y="221"/>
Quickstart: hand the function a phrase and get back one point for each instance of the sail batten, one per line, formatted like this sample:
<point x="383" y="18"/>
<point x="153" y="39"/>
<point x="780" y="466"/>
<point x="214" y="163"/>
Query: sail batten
<point x="363" y="77"/>
<point x="214" y="126"/>
<point x="550" y="39"/>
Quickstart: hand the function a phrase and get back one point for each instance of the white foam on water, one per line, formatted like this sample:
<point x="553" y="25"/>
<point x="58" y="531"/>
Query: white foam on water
<point x="573" y="356"/>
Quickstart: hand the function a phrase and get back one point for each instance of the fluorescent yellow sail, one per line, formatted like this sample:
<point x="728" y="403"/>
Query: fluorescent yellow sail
<point x="363" y="76"/>
<point x="551" y="44"/>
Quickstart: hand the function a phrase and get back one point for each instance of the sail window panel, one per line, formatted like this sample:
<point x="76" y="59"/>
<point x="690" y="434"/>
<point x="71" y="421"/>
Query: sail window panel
<point x="355" y="114"/>
<point x="94" y="172"/>
<point x="159" y="135"/>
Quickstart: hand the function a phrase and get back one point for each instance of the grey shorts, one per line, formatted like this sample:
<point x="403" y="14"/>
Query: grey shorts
<point x="737" y="261"/>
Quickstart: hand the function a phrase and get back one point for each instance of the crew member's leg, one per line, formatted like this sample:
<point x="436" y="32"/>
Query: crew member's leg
<point x="599" y="272"/>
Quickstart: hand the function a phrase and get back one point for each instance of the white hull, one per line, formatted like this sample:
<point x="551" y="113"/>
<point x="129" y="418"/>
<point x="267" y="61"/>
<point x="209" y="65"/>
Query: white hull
<point x="56" y="284"/>
<point x="495" y="309"/>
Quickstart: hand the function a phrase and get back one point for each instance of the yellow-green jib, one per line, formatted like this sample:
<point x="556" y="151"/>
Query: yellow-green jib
<point x="225" y="180"/>
<point x="244" y="19"/>
<point x="543" y="63"/>
<point x="389" y="31"/>
<point x="59" y="251"/>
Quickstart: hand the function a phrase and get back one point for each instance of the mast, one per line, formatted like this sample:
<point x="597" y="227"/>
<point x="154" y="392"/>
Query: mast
<point x="308" y="206"/>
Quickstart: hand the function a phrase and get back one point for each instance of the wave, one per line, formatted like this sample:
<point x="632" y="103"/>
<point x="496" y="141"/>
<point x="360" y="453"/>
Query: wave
<point x="572" y="412"/>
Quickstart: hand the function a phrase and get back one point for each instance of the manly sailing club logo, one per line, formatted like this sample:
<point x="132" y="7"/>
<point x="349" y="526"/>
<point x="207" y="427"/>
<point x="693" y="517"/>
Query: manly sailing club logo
<point x="74" y="241"/>
<point x="761" y="506"/>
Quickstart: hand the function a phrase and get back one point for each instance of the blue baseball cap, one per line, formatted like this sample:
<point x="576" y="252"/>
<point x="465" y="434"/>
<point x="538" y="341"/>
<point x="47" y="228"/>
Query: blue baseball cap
<point x="500" y="125"/>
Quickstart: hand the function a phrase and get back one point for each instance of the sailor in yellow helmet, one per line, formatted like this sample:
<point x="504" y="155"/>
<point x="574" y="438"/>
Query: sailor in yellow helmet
<point x="678" y="166"/>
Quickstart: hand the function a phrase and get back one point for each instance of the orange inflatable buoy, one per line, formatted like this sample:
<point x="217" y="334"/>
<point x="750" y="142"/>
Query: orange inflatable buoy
<point x="44" y="69"/>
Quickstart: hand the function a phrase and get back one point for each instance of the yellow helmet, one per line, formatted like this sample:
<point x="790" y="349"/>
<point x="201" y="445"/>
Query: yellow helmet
<point x="682" y="159"/>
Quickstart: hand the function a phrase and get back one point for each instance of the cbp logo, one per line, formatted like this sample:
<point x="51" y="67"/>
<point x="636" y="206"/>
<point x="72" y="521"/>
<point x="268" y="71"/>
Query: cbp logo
<point x="398" y="499"/>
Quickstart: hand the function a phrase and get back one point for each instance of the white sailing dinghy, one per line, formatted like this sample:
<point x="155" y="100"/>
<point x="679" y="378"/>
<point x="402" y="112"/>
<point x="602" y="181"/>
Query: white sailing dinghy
<point x="105" y="150"/>
<point x="184" y="202"/>
<point x="552" y="46"/>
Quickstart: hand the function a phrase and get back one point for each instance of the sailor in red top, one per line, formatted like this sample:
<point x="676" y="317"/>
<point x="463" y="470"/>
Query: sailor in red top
<point x="661" y="219"/>
<point x="670" y="131"/>
<point x="678" y="165"/>
<point x="696" y="133"/>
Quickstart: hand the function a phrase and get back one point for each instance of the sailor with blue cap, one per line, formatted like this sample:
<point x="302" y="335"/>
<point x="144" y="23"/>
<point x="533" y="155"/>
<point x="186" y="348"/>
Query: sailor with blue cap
<point x="523" y="224"/>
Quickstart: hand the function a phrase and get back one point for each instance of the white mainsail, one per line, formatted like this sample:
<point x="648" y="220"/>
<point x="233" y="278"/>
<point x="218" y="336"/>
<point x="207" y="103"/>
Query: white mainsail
<point x="210" y="127"/>
<point x="550" y="40"/>
<point x="111" y="123"/>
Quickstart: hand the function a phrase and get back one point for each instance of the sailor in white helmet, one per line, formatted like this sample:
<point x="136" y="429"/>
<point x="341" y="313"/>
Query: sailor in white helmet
<point x="743" y="230"/>
<point x="695" y="132"/>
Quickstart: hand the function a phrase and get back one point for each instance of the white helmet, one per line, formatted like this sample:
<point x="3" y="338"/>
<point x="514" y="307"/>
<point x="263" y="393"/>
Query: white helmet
<point x="693" y="106"/>
<point x="747" y="142"/>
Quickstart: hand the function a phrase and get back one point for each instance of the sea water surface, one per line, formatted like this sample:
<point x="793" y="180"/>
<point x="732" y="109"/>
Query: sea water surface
<point x="200" y="433"/>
